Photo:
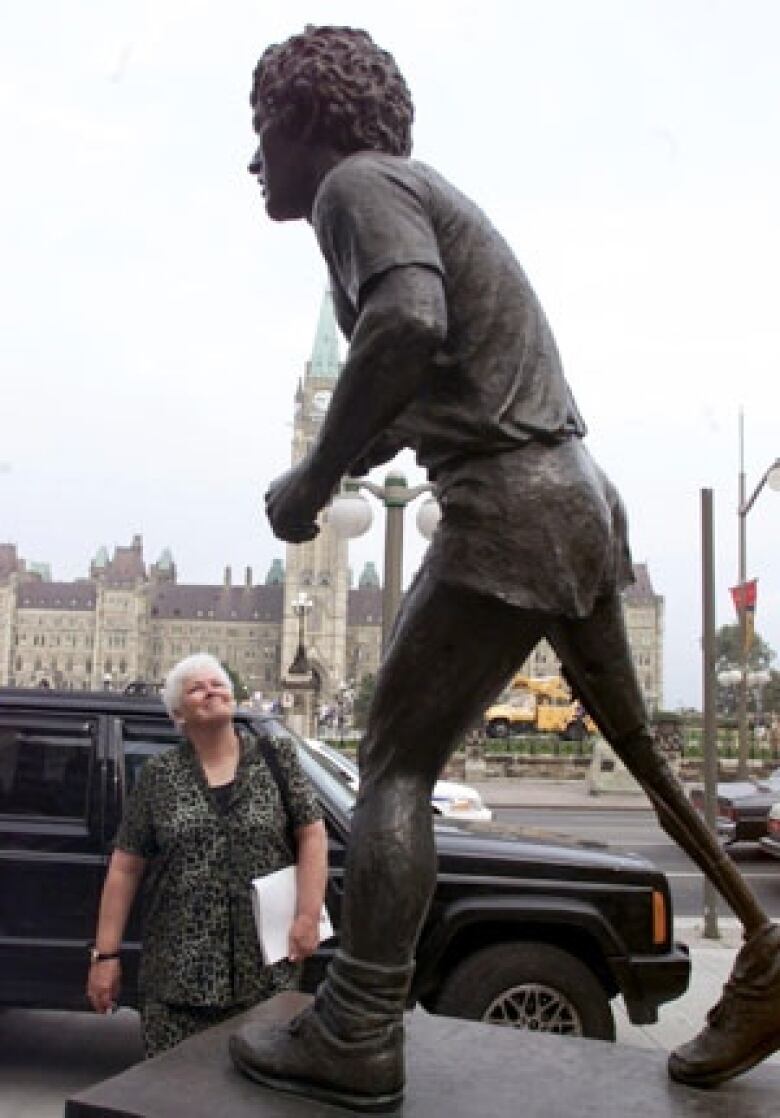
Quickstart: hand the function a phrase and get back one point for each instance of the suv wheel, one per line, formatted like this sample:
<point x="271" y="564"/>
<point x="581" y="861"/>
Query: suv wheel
<point x="528" y="986"/>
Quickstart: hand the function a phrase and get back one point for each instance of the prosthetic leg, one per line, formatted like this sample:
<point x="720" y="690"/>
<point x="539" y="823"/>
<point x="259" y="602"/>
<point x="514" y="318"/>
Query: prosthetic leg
<point x="744" y="1026"/>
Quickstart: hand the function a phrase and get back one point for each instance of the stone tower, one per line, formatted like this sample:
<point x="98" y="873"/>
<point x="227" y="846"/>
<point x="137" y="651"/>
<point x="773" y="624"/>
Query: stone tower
<point x="317" y="569"/>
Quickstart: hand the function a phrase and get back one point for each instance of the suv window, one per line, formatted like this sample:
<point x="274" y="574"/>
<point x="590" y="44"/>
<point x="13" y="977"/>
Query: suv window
<point x="45" y="772"/>
<point x="142" y="740"/>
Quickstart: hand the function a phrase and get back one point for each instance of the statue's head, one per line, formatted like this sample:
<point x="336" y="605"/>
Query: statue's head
<point x="339" y="87"/>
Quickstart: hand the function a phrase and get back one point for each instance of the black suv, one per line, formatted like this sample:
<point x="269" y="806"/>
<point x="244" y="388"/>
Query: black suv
<point x="522" y="931"/>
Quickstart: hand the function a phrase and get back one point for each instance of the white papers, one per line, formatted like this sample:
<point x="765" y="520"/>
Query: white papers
<point x="273" y="905"/>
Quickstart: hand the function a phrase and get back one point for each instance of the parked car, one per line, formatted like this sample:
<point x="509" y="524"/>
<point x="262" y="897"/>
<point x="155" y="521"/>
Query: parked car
<point x="742" y="807"/>
<point x="524" y="929"/>
<point x="771" y="840"/>
<point x="449" y="798"/>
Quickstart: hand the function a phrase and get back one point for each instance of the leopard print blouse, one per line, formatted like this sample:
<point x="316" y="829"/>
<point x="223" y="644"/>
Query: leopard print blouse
<point x="199" y="940"/>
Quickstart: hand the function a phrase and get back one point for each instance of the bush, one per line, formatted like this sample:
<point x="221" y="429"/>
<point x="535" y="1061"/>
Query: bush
<point x="536" y="745"/>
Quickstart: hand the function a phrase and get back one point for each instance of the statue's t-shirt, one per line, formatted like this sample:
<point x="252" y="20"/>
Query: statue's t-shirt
<point x="527" y="515"/>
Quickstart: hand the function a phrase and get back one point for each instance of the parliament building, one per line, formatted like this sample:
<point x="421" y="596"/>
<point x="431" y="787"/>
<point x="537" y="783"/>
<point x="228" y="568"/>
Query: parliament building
<point x="129" y="620"/>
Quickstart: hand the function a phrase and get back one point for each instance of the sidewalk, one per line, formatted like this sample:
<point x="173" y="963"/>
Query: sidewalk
<point x="522" y="792"/>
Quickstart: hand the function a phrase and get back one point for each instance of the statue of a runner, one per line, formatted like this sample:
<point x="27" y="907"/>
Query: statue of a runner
<point x="451" y="354"/>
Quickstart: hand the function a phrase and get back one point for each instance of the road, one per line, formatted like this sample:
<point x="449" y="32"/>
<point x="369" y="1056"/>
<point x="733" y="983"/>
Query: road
<point x="637" y="830"/>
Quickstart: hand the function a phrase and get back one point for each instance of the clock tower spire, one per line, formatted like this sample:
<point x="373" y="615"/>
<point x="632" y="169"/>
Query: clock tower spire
<point x="325" y="364"/>
<point x="318" y="568"/>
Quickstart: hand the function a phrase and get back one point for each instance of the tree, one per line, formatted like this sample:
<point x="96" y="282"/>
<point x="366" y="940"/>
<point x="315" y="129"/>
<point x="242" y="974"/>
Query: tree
<point x="727" y="650"/>
<point x="239" y="687"/>
<point x="771" y="696"/>
<point x="362" y="701"/>
<point x="759" y="658"/>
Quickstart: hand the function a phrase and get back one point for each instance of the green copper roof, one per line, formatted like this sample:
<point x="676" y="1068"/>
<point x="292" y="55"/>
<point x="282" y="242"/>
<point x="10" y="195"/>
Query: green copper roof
<point x="275" y="576"/>
<point x="325" y="361"/>
<point x="369" y="577"/>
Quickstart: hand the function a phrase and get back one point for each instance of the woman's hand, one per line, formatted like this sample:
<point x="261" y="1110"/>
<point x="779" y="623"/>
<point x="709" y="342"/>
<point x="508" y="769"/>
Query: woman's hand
<point x="103" y="985"/>
<point x="122" y="880"/>
<point x="304" y="938"/>
<point x="311" y="877"/>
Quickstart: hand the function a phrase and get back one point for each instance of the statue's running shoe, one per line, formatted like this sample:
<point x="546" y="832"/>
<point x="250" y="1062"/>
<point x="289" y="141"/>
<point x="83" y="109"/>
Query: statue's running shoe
<point x="743" y="1027"/>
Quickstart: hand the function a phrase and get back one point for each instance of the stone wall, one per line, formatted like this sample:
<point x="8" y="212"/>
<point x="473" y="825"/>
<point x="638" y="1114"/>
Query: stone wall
<point x="506" y="766"/>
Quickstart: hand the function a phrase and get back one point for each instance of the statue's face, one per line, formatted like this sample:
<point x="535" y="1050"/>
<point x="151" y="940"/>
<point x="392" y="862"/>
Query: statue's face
<point x="286" y="168"/>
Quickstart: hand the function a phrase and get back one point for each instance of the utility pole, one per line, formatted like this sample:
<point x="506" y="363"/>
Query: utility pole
<point x="771" y="476"/>
<point x="711" y="930"/>
<point x="742" y="734"/>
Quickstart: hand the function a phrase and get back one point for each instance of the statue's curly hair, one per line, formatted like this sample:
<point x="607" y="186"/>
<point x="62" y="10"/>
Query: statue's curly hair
<point x="360" y="98"/>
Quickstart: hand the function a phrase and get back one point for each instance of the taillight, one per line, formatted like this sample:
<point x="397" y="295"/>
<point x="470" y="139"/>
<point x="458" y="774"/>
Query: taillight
<point x="729" y="812"/>
<point x="774" y="826"/>
<point x="659" y="918"/>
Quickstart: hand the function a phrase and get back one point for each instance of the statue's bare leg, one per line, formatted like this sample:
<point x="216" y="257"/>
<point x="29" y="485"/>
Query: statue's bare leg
<point x="744" y="1027"/>
<point x="450" y="653"/>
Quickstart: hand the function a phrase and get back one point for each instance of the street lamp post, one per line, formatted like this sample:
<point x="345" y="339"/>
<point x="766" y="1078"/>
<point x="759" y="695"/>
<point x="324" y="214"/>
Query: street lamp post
<point x="771" y="477"/>
<point x="302" y="680"/>
<point x="731" y="679"/>
<point x="350" y="515"/>
<point x="300" y="607"/>
<point x="759" y="680"/>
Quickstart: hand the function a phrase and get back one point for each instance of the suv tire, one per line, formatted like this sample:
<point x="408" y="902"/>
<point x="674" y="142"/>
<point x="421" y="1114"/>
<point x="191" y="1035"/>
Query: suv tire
<point x="528" y="986"/>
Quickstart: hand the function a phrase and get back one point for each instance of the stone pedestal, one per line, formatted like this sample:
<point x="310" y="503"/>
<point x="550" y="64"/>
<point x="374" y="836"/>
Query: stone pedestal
<point x="607" y="773"/>
<point x="456" y="1069"/>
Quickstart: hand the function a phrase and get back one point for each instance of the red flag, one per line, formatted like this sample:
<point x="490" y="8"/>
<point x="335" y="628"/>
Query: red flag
<point x="745" y="595"/>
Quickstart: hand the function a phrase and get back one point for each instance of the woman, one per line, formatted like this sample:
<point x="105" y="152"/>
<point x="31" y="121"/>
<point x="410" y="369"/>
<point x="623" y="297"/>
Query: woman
<point x="202" y="821"/>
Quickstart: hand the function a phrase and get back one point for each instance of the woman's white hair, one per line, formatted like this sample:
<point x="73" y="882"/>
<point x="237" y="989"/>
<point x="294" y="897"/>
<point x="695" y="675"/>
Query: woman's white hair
<point x="180" y="673"/>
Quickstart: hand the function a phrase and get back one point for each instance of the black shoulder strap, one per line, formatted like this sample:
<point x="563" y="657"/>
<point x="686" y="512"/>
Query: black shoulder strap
<point x="271" y="759"/>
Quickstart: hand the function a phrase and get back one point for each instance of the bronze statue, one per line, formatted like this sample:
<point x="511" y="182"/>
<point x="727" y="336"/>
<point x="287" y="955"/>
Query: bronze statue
<point x="451" y="354"/>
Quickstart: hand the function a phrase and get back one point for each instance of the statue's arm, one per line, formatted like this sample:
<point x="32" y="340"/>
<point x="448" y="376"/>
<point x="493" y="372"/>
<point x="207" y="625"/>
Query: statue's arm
<point x="379" y="242"/>
<point x="401" y="325"/>
<point x="382" y="449"/>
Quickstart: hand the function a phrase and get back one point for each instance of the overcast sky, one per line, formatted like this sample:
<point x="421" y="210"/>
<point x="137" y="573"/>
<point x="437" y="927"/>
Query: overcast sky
<point x="154" y="322"/>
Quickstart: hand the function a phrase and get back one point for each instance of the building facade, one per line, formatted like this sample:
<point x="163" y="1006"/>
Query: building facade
<point x="127" y="620"/>
<point x="317" y="575"/>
